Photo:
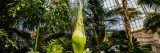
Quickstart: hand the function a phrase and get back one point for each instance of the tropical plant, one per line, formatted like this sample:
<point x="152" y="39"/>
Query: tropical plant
<point x="54" y="47"/>
<point x="99" y="16"/>
<point x="128" y="15"/>
<point x="132" y="12"/>
<point x="152" y="20"/>
<point x="40" y="16"/>
<point x="96" y="23"/>
<point x="126" y="20"/>
<point x="154" y="4"/>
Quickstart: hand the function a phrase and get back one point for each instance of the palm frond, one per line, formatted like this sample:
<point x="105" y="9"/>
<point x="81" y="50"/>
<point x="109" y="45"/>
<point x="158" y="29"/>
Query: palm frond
<point x="132" y="12"/>
<point x="152" y="21"/>
<point x="154" y="4"/>
<point x="149" y="2"/>
<point x="96" y="6"/>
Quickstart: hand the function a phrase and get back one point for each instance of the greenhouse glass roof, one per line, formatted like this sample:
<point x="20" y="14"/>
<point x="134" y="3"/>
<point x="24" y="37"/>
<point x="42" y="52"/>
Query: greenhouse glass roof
<point x="136" y="24"/>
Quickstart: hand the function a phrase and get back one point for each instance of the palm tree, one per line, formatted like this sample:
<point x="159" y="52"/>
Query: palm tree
<point x="96" y="19"/>
<point x="127" y="25"/>
<point x="100" y="16"/>
<point x="132" y="12"/>
<point x="127" y="14"/>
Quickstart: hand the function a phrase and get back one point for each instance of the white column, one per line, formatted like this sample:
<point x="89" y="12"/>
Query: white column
<point x="156" y="37"/>
<point x="154" y="49"/>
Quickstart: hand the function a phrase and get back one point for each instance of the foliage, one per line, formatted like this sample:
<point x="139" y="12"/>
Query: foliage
<point x="34" y="11"/>
<point x="49" y="17"/>
<point x="54" y="47"/>
<point x="118" y="42"/>
<point x="13" y="43"/>
<point x="66" y="43"/>
<point x="154" y="4"/>
<point x="149" y="2"/>
<point x="99" y="16"/>
<point x="6" y="42"/>
<point x="96" y="23"/>
<point x="152" y="21"/>
<point x="132" y="12"/>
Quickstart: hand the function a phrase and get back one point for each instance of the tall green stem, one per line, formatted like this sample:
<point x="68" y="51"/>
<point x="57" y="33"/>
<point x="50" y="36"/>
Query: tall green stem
<point x="37" y="36"/>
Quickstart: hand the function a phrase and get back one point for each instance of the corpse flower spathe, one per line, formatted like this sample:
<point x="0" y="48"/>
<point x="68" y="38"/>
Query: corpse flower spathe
<point x="78" y="37"/>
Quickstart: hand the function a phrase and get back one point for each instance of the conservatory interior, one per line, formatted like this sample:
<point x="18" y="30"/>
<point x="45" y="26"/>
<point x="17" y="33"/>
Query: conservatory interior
<point x="79" y="26"/>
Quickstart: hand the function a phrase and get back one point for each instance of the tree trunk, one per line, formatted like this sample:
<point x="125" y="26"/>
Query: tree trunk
<point x="127" y="26"/>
